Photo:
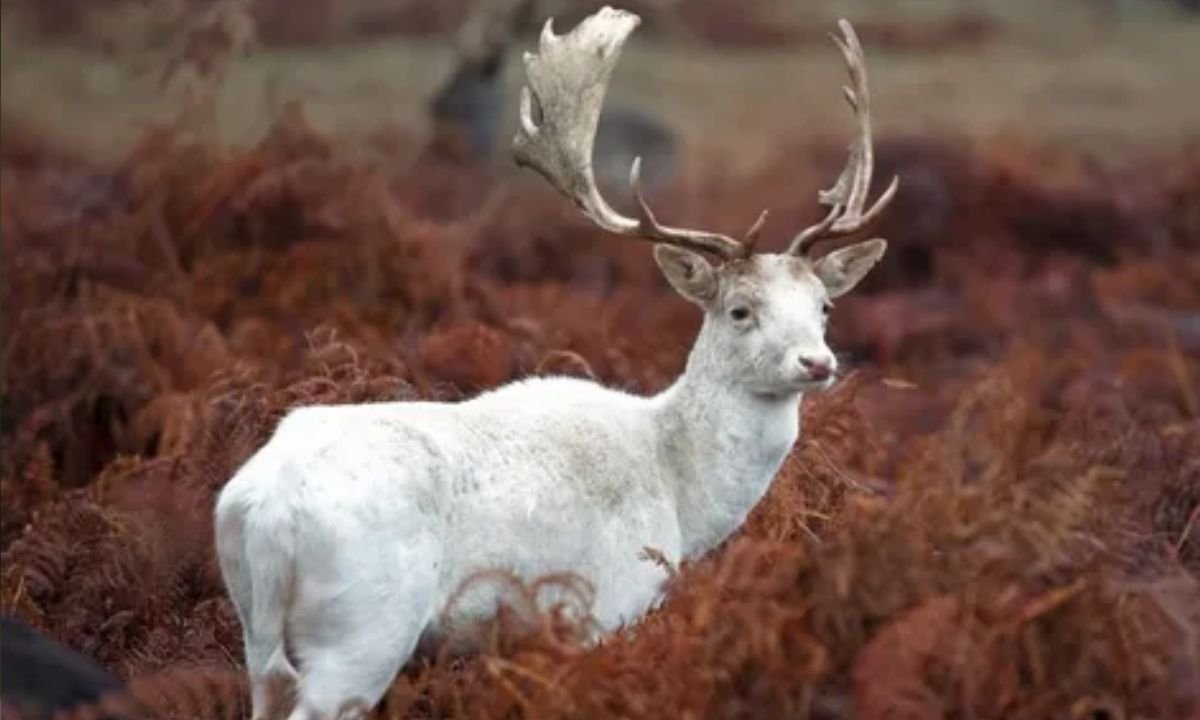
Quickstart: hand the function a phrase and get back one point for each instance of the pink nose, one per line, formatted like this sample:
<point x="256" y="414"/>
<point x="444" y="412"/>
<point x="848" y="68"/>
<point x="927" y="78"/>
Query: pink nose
<point x="817" y="369"/>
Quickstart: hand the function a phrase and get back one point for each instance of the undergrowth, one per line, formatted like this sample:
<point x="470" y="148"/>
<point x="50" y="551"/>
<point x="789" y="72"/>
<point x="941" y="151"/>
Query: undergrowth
<point x="995" y="516"/>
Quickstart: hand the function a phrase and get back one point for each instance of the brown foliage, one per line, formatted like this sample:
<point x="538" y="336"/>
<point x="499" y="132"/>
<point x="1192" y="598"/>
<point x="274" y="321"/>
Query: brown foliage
<point x="995" y="516"/>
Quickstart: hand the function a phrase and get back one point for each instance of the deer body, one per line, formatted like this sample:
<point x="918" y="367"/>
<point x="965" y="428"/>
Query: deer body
<point x="345" y="539"/>
<point x="379" y="513"/>
<point x="541" y="476"/>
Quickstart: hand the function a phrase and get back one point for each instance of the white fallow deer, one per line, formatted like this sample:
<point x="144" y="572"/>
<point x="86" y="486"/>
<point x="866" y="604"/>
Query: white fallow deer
<point x="342" y="539"/>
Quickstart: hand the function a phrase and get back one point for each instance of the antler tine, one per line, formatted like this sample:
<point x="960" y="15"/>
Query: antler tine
<point x="849" y="194"/>
<point x="560" y="108"/>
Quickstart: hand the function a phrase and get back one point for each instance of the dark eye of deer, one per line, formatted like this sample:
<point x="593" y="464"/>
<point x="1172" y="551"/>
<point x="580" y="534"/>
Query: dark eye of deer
<point x="739" y="313"/>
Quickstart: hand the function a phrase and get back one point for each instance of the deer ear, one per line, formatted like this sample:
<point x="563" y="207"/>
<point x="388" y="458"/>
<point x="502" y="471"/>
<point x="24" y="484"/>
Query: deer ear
<point x="842" y="269"/>
<point x="689" y="273"/>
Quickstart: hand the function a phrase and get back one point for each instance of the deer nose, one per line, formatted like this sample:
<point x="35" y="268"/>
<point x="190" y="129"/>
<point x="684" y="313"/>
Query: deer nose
<point x="817" y="368"/>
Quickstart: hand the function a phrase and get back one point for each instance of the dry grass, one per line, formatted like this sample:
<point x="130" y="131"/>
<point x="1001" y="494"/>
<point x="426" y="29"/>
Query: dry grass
<point x="1039" y="70"/>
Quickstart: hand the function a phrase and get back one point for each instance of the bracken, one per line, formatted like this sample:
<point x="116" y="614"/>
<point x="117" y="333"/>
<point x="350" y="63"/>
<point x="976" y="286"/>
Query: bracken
<point x="995" y="516"/>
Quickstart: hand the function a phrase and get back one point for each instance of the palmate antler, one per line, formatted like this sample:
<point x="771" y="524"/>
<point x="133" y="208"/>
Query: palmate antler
<point x="560" y="108"/>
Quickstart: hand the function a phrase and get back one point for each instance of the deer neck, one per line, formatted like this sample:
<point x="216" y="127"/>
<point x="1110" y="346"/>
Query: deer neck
<point x="720" y="446"/>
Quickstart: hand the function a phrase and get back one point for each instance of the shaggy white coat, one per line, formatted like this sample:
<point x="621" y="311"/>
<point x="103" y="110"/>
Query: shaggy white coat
<point x="343" y="537"/>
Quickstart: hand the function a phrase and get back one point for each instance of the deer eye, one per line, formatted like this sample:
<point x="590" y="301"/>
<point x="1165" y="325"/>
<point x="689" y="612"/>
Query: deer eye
<point x="739" y="312"/>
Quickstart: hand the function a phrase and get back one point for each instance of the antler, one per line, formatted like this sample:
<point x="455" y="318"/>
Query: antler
<point x="847" y="197"/>
<point x="560" y="108"/>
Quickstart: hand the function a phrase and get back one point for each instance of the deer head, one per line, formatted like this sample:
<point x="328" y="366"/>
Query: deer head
<point x="765" y="313"/>
<point x="465" y="109"/>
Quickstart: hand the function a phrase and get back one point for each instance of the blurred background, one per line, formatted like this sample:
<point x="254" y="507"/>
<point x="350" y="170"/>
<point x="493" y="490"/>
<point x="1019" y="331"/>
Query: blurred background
<point x="727" y="77"/>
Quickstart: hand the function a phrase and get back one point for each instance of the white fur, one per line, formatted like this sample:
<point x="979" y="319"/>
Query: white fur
<point x="343" y="537"/>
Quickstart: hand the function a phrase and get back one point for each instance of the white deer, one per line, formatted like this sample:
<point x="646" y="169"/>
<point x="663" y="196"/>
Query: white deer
<point x="342" y="539"/>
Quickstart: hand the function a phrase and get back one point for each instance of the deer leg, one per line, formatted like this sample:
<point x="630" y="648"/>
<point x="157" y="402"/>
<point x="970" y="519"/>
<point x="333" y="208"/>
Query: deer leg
<point x="358" y="618"/>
